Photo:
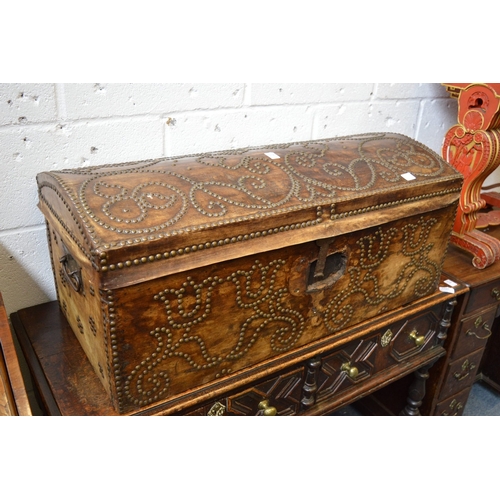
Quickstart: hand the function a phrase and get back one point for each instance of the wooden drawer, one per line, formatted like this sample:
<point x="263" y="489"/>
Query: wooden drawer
<point x="338" y="375"/>
<point x="358" y="361"/>
<point x="454" y="405"/>
<point x="279" y="395"/>
<point x="484" y="296"/>
<point x="461" y="374"/>
<point x="474" y="333"/>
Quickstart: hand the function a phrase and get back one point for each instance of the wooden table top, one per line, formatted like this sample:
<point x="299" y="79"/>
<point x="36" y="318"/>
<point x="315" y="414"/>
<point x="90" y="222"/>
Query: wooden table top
<point x="64" y="377"/>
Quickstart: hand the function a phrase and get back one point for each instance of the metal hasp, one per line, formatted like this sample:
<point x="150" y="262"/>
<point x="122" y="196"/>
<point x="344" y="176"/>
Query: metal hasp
<point x="473" y="147"/>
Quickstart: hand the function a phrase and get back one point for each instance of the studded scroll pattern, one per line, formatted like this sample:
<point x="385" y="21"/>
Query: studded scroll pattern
<point x="132" y="207"/>
<point x="364" y="285"/>
<point x="233" y="315"/>
<point x="242" y="184"/>
<point x="188" y="307"/>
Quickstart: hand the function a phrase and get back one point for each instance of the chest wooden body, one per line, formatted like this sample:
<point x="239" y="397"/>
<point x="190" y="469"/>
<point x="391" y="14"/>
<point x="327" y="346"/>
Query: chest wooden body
<point x="181" y="272"/>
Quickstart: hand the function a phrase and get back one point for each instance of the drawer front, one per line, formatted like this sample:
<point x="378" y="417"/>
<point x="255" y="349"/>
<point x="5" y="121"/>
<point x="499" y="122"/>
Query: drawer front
<point x="484" y="296"/>
<point x="358" y="361"/>
<point x="279" y="395"/>
<point x="474" y="333"/>
<point x="454" y="406"/>
<point x="461" y="374"/>
<point x="334" y="373"/>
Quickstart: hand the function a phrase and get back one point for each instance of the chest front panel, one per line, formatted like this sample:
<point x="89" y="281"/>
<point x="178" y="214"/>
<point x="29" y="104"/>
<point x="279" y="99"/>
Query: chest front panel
<point x="196" y="327"/>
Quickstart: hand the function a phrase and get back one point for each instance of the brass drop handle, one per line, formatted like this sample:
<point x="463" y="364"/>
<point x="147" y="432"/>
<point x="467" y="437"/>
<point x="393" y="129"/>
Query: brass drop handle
<point x="352" y="371"/>
<point x="470" y="333"/>
<point x="269" y="411"/>
<point x="467" y="367"/>
<point x="495" y="293"/>
<point x="418" y="339"/>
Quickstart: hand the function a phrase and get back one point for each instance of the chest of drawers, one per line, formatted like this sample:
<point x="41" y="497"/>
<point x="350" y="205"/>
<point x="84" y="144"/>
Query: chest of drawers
<point x="472" y="346"/>
<point x="473" y="336"/>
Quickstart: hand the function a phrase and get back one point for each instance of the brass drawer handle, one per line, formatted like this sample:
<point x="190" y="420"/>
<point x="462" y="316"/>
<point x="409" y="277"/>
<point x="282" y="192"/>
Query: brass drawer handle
<point x="455" y="406"/>
<point x="418" y="339"/>
<point x="352" y="371"/>
<point x="470" y="333"/>
<point x="467" y="368"/>
<point x="460" y="377"/>
<point x="269" y="411"/>
<point x="495" y="293"/>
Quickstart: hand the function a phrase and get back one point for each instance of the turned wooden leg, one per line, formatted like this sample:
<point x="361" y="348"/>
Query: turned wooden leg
<point x="310" y="387"/>
<point x="416" y="392"/>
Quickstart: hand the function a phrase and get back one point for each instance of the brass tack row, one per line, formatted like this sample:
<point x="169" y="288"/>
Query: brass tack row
<point x="344" y="215"/>
<point x="204" y="246"/>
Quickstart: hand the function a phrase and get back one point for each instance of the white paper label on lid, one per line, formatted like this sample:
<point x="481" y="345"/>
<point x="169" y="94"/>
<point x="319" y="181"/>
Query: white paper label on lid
<point x="272" y="155"/>
<point x="451" y="283"/>
<point x="446" y="289"/>
<point x="408" y="176"/>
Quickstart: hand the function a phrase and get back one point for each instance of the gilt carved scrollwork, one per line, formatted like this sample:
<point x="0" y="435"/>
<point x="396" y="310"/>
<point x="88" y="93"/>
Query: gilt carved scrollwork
<point x="473" y="148"/>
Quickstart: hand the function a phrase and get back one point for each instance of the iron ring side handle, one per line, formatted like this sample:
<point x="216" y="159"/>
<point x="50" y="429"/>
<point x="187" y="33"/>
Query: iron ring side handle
<point x="470" y="333"/>
<point x="72" y="272"/>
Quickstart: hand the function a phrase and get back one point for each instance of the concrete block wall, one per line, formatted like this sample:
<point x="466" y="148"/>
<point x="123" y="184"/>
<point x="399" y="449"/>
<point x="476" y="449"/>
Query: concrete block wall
<point x="50" y="126"/>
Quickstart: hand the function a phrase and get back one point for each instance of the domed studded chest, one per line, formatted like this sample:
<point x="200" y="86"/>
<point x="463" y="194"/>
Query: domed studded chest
<point x="177" y="273"/>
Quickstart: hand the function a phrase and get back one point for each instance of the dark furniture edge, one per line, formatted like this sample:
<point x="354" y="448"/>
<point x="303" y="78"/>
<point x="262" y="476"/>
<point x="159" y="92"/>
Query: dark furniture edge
<point x="36" y="370"/>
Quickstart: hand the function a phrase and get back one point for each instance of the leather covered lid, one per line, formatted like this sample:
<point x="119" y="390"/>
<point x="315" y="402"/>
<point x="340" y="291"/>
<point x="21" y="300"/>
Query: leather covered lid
<point x="182" y="212"/>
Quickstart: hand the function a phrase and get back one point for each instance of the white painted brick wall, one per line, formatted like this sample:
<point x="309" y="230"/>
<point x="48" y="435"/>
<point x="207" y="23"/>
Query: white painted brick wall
<point x="96" y="100"/>
<point x="47" y="126"/>
<point x="360" y="117"/>
<point x="300" y="93"/>
<point x="27" y="103"/>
